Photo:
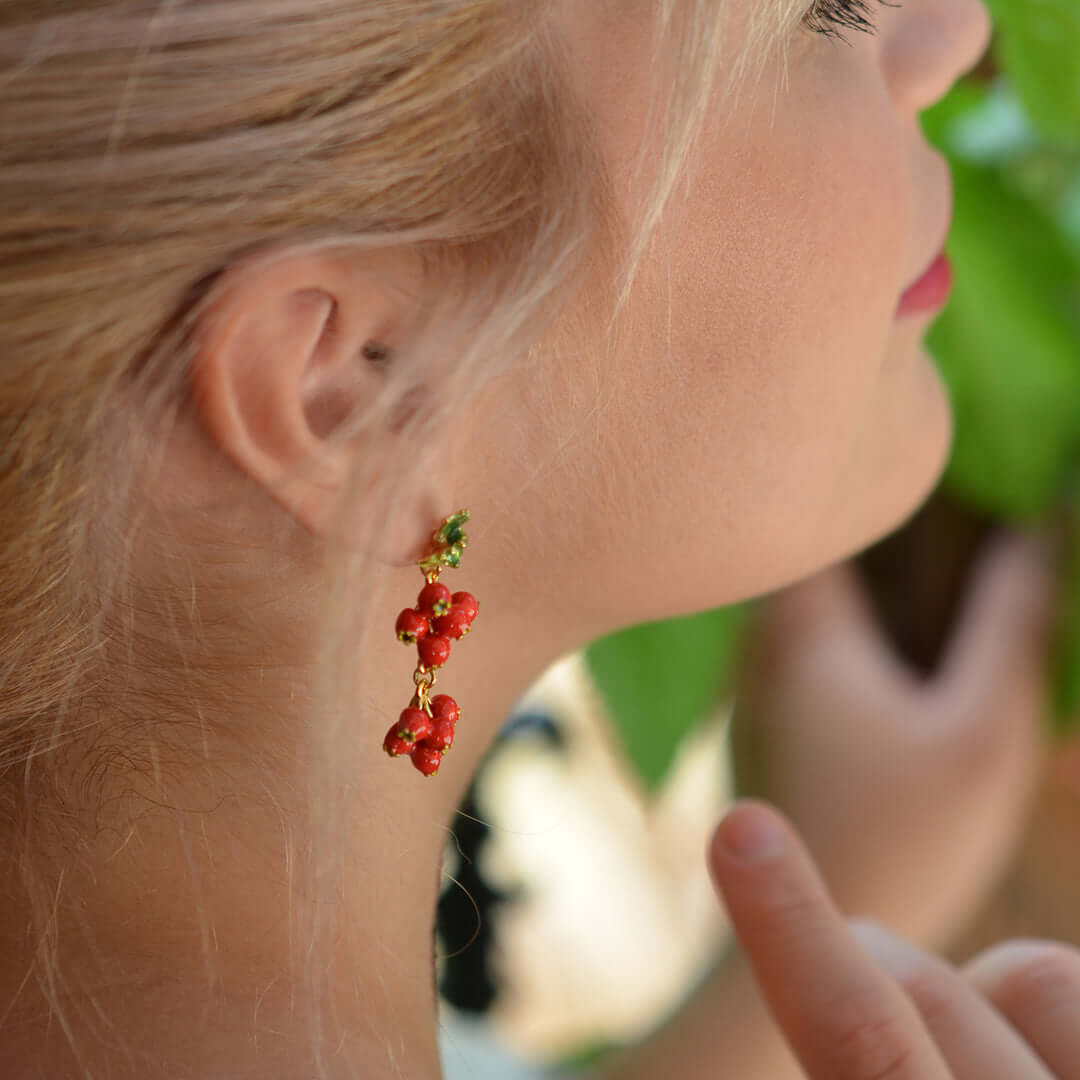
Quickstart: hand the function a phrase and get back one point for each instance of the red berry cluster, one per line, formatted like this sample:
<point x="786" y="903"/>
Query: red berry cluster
<point x="438" y="618"/>
<point x="425" y="730"/>
<point x="424" y="737"/>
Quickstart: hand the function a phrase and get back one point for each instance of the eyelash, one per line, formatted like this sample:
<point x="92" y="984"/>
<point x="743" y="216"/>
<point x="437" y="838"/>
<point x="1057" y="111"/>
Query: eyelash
<point x="828" y="16"/>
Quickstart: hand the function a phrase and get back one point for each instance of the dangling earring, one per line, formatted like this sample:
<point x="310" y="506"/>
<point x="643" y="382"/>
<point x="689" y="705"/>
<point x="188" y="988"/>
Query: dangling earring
<point x="425" y="730"/>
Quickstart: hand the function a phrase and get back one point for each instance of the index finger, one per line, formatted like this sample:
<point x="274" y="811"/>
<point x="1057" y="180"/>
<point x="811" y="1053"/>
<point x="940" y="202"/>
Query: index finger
<point x="844" y="1017"/>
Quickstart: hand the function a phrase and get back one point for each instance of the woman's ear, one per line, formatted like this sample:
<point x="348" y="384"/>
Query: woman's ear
<point x="294" y="345"/>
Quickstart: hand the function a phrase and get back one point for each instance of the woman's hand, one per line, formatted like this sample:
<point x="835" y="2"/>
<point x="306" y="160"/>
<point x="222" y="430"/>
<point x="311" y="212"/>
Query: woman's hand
<point x="855" y="1003"/>
<point x="911" y="795"/>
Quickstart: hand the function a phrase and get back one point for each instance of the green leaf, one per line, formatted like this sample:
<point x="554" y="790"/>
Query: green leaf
<point x="659" y="679"/>
<point x="1009" y="346"/>
<point x="1038" y="46"/>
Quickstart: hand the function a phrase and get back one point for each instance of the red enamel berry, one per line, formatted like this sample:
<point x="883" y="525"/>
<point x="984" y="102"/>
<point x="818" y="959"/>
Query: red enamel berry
<point x="413" y="725"/>
<point x="444" y="707"/>
<point x="412" y="626"/>
<point x="427" y="759"/>
<point x="441" y="737"/>
<point x="434" y="599"/>
<point x="394" y="744"/>
<point x="454" y="624"/>
<point x="466" y="602"/>
<point x="434" y="650"/>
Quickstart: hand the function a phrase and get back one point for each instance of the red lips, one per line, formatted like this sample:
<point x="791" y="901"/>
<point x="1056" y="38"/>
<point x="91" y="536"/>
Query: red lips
<point x="931" y="291"/>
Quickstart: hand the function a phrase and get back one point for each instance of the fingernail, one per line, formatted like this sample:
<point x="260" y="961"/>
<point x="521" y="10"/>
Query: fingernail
<point x="749" y="835"/>
<point x="893" y="953"/>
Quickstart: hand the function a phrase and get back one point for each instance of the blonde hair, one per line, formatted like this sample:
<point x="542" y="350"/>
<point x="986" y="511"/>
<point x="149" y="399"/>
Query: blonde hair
<point x="147" y="150"/>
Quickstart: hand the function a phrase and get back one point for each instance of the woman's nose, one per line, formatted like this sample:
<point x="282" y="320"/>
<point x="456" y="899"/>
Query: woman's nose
<point x="928" y="44"/>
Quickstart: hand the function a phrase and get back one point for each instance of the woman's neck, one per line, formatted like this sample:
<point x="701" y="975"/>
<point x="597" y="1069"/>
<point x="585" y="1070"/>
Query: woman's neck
<point x="170" y="918"/>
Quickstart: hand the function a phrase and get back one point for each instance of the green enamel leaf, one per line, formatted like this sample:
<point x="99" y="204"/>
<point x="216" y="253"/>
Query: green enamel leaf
<point x="453" y="531"/>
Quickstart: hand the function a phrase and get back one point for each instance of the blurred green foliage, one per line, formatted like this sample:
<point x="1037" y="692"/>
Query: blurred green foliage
<point x="1008" y="344"/>
<point x="1037" y="45"/>
<point x="659" y="679"/>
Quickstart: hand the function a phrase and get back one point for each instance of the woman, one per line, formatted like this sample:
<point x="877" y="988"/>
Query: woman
<point x="283" y="285"/>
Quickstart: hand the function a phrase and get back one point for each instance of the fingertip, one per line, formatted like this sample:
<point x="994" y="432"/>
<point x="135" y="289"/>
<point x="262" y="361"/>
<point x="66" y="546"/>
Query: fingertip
<point x="750" y="833"/>
<point x="807" y="964"/>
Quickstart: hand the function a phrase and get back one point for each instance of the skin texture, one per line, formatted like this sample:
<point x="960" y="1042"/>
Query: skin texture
<point x="877" y="1006"/>
<point x="774" y="420"/>
<point x="806" y="421"/>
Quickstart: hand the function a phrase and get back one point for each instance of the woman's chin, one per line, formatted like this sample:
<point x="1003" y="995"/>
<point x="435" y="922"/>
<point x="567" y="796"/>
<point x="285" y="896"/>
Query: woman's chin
<point x="904" y="468"/>
<point x="892" y="475"/>
<point x="890" y="468"/>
